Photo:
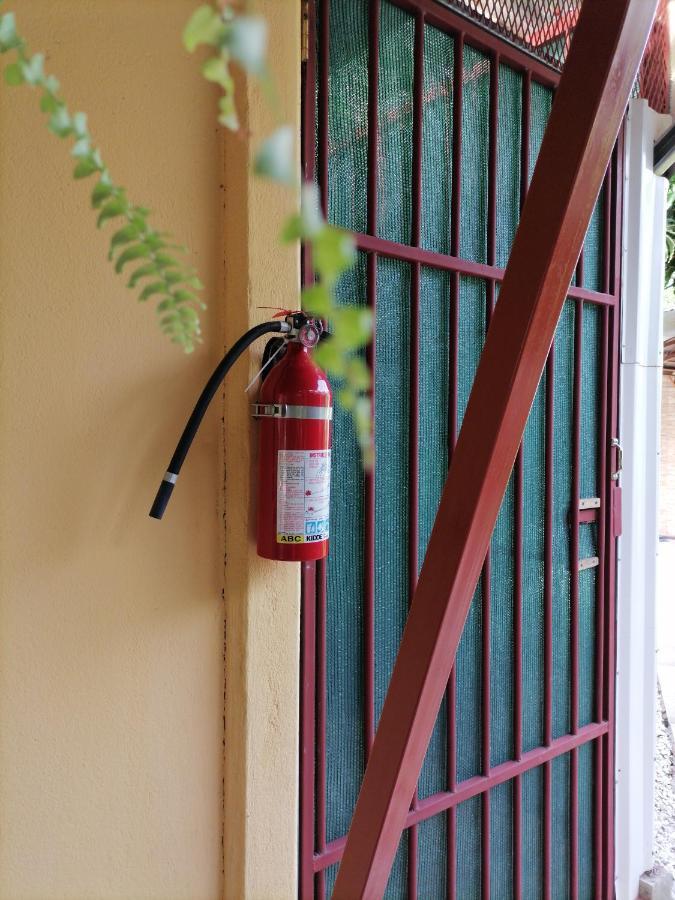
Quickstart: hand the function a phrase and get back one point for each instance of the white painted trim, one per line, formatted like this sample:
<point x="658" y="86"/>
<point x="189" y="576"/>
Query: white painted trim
<point x="639" y="416"/>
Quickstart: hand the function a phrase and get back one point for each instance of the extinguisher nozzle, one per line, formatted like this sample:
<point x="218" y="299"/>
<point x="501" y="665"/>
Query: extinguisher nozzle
<point x="161" y="499"/>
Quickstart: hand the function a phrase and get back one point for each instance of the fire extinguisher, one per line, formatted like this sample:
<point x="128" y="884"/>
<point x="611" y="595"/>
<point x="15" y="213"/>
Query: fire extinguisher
<point x="294" y="410"/>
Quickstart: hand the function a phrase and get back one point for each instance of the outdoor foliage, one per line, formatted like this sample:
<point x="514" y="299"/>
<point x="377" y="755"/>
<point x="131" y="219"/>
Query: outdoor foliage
<point x="238" y="38"/>
<point x="669" y="295"/>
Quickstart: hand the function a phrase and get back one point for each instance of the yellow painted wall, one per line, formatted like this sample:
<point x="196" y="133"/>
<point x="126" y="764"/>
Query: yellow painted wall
<point x="262" y="598"/>
<point x="111" y="624"/>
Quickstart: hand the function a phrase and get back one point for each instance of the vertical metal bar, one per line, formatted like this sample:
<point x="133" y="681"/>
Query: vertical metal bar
<point x="324" y="66"/>
<point x="548" y="547"/>
<point x="518" y="551"/>
<point x="574" y="584"/>
<point x="603" y="442"/>
<point x="548" y="608"/>
<point x="320" y="800"/>
<point x="453" y="414"/>
<point x="309" y="595"/>
<point x="309" y="123"/>
<point x="308" y="729"/>
<point x="369" y="585"/>
<point x="610" y="564"/>
<point x="413" y="427"/>
<point x="487" y="567"/>
<point x="323" y="63"/>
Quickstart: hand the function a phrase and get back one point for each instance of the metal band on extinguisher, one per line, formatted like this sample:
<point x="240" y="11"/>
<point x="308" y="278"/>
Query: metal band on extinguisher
<point x="287" y="411"/>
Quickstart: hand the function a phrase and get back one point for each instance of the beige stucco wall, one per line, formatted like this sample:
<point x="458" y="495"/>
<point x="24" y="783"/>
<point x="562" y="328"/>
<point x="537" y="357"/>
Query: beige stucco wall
<point x="111" y="624"/>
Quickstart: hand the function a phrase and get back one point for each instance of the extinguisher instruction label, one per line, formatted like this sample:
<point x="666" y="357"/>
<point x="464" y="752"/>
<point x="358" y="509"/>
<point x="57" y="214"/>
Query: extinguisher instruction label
<point x="303" y="496"/>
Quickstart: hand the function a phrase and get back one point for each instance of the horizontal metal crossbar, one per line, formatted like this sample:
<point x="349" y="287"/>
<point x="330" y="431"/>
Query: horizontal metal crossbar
<point x="480" y="784"/>
<point x="434" y="260"/>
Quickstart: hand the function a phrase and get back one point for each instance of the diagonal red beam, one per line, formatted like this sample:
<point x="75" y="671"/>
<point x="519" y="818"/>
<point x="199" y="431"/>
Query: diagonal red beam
<point x="595" y="86"/>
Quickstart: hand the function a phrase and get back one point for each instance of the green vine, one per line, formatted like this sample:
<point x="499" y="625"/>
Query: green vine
<point x="164" y="277"/>
<point x="242" y="38"/>
<point x="238" y="38"/>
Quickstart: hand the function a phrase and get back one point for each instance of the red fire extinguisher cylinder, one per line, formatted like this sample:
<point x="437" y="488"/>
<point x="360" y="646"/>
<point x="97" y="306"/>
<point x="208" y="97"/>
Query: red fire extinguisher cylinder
<point x="294" y="411"/>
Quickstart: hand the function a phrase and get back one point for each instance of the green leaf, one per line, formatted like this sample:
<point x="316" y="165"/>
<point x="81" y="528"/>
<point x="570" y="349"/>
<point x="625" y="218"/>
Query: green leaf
<point x="8" y="36"/>
<point x="165" y="260"/>
<point x="112" y="209"/>
<point x="183" y="296"/>
<point x="205" y="26"/>
<point x="316" y="300"/>
<point x="310" y="210"/>
<point x="123" y="236"/>
<point x="227" y="112"/>
<point x="309" y="221"/>
<point x="347" y="399"/>
<point x="136" y="251"/>
<point x="275" y="158"/>
<point x="358" y="374"/>
<point x="217" y="70"/>
<point x="101" y="193"/>
<point x="333" y="251"/>
<point x="352" y="326"/>
<point x="86" y="167"/>
<point x="81" y="148"/>
<point x="330" y="357"/>
<point x="156" y="241"/>
<point x="14" y="74"/>
<point x="60" y="122"/>
<point x="143" y="272"/>
<point x="80" y="124"/>
<point x="49" y="103"/>
<point x="157" y="287"/>
<point x="188" y="314"/>
<point x="51" y="84"/>
<point x="247" y="42"/>
<point x="169" y="303"/>
<point x="33" y="69"/>
<point x="173" y="276"/>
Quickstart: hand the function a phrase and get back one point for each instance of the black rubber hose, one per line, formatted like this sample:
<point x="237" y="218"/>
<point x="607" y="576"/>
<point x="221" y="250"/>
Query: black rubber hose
<point x="206" y="396"/>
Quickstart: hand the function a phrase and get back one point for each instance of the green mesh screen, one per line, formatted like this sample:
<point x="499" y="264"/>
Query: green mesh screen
<point x="469" y="874"/>
<point x="434" y="369"/>
<point x="475" y="139"/>
<point x="397" y="35"/>
<point x="560" y="827"/>
<point x="532" y="853"/>
<point x="348" y="114"/>
<point x="344" y="608"/>
<point x="562" y="501"/>
<point x="509" y="101"/>
<point x="345" y="755"/>
<point x="439" y="56"/>
<point x="472" y="307"/>
<point x="501" y="841"/>
<point x="586" y="809"/>
<point x="391" y="488"/>
<point x="534" y="452"/>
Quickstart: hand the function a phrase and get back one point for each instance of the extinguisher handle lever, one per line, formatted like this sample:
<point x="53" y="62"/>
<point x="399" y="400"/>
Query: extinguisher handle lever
<point x="166" y="487"/>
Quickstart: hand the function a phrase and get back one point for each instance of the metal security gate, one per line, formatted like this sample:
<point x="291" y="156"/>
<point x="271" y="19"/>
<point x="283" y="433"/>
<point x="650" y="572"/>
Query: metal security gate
<point x="422" y="131"/>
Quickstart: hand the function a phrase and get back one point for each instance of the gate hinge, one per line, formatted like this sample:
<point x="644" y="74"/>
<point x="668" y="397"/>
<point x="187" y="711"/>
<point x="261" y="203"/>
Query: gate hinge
<point x="304" y="31"/>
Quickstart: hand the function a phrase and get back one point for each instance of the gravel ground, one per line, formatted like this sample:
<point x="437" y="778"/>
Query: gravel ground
<point x="664" y="791"/>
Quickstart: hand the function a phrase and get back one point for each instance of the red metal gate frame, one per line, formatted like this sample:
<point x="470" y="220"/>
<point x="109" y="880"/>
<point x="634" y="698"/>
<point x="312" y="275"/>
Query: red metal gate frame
<point x="601" y="731"/>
